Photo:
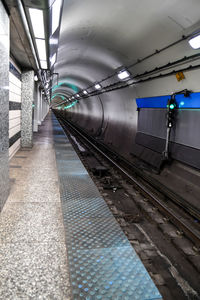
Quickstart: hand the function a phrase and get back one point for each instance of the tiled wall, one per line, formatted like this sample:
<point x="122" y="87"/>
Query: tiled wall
<point x="14" y="110"/>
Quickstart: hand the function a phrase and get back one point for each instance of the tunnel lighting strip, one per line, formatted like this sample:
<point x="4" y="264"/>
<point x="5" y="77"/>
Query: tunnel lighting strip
<point x="70" y="105"/>
<point x="113" y="87"/>
<point x="58" y="95"/>
<point x="98" y="85"/>
<point x="62" y="103"/>
<point x="190" y="68"/>
<point x="72" y="86"/>
<point x="146" y="73"/>
<point x="143" y="59"/>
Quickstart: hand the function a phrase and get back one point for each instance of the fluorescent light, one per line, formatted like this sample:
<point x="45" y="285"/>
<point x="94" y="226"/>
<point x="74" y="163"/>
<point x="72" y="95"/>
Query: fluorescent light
<point x="53" y="59"/>
<point x="85" y="92"/>
<point x="43" y="64"/>
<point x="35" y="78"/>
<point x="78" y="95"/>
<point x="37" y="21"/>
<point x="41" y="47"/>
<point x="55" y="15"/>
<point x="53" y="41"/>
<point x="123" y="74"/>
<point x="195" y="42"/>
<point x="98" y="86"/>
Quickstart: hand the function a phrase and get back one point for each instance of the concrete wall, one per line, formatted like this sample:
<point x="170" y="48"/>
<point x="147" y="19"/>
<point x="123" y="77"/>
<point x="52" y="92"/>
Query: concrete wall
<point x="114" y="114"/>
<point x="4" y="104"/>
<point x="27" y="109"/>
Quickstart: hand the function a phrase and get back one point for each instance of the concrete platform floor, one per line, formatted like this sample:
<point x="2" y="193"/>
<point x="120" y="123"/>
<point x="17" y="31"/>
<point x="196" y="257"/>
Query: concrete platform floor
<point x="33" y="259"/>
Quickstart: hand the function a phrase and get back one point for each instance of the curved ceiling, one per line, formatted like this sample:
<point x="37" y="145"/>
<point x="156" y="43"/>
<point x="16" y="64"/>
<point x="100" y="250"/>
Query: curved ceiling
<point x="99" y="37"/>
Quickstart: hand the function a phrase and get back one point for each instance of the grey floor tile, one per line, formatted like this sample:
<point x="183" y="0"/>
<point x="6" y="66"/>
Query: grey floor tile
<point x="31" y="222"/>
<point x="34" y="271"/>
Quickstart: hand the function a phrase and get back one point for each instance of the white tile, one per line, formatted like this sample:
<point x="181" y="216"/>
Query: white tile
<point x="14" y="130"/>
<point x="14" y="114"/>
<point x="15" y="89"/>
<point x="14" y="148"/>
<point x="14" y="80"/>
<point x="14" y="97"/>
<point x="14" y="122"/>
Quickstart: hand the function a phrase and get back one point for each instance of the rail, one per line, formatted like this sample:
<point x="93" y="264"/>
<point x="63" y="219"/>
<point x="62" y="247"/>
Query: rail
<point x="184" y="225"/>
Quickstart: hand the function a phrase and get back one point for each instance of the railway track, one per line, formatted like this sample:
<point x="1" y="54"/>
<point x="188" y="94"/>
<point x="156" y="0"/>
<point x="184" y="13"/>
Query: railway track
<point x="183" y="220"/>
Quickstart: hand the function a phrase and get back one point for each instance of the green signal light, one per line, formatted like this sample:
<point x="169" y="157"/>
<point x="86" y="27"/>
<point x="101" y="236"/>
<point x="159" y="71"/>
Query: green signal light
<point x="172" y="106"/>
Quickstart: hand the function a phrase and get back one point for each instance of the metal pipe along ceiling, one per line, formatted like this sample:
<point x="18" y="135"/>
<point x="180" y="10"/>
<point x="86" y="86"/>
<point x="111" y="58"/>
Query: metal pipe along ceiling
<point x="94" y="45"/>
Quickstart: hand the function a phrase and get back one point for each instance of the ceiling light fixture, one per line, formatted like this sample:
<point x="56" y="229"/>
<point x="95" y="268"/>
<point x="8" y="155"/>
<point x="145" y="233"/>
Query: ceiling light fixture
<point x="43" y="64"/>
<point x="56" y="15"/>
<point x="85" y="92"/>
<point x="97" y="86"/>
<point x="53" y="41"/>
<point x="195" y="42"/>
<point x="123" y="74"/>
<point x="41" y="47"/>
<point x="78" y="95"/>
<point x="53" y="59"/>
<point x="37" y="21"/>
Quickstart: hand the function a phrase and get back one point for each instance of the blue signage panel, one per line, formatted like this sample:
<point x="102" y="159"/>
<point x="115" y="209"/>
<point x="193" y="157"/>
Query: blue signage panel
<point x="193" y="101"/>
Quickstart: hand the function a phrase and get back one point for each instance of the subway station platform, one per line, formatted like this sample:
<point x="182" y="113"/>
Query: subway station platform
<point x="58" y="238"/>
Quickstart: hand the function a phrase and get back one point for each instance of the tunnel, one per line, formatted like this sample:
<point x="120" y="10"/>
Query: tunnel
<point x="100" y="115"/>
<point x="130" y="116"/>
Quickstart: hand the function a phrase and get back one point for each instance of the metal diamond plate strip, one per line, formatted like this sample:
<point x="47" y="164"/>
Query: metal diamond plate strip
<point x="103" y="264"/>
<point x="92" y="207"/>
<point x="110" y="273"/>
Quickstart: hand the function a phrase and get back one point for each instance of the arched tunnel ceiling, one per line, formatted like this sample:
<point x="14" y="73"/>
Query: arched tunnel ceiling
<point x="98" y="37"/>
